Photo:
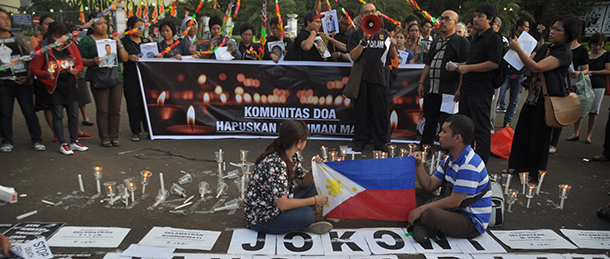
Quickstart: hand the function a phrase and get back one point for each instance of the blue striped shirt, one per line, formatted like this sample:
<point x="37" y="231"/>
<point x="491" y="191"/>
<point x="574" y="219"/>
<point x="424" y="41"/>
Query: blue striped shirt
<point x="467" y="174"/>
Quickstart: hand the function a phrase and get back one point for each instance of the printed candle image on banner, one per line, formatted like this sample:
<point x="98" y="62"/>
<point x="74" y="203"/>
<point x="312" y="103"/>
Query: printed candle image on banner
<point x="210" y="99"/>
<point x="367" y="189"/>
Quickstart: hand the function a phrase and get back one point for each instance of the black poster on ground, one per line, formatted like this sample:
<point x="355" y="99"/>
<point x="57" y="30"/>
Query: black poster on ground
<point x="24" y="232"/>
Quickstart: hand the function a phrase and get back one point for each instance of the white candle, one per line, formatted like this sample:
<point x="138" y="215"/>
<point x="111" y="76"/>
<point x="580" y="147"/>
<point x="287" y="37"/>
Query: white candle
<point x="25" y="215"/>
<point x="80" y="183"/>
<point x="189" y="199"/>
<point x="48" y="202"/>
<point x="99" y="188"/>
<point x="162" y="183"/>
<point x="243" y="185"/>
<point x="133" y="199"/>
<point x="183" y="205"/>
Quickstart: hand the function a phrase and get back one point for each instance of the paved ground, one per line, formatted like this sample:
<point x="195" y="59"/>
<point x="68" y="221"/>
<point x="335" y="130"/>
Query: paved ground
<point x="52" y="176"/>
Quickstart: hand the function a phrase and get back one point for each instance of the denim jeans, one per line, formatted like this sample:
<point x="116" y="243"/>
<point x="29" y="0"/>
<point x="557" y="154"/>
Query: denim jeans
<point x="294" y="219"/>
<point x="9" y="90"/>
<point x="58" y="116"/>
<point x="515" y="89"/>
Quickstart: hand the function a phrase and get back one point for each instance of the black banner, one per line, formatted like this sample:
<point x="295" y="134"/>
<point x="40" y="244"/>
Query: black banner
<point x="198" y="99"/>
<point x="23" y="232"/>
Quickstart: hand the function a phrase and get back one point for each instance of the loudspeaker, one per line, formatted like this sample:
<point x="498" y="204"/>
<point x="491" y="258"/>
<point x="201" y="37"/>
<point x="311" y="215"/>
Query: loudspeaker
<point x="371" y="24"/>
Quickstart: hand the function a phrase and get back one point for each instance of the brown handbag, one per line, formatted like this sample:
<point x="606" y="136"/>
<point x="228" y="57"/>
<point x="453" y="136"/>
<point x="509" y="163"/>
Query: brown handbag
<point x="352" y="87"/>
<point x="560" y="111"/>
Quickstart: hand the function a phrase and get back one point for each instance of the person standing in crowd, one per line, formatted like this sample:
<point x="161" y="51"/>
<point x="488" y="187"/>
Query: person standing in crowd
<point x="476" y="91"/>
<point x="276" y="35"/>
<point x="460" y="29"/>
<point x="338" y="47"/>
<point x="496" y="25"/>
<point x="131" y="83"/>
<point x="400" y="47"/>
<point x="281" y="196"/>
<point x="426" y="31"/>
<point x="246" y="31"/>
<point x="435" y="80"/>
<point x="599" y="69"/>
<point x="168" y="31"/>
<point x="191" y="35"/>
<point x="371" y="107"/>
<point x="61" y="82"/>
<point x="471" y="32"/>
<point x="305" y="49"/>
<point x="530" y="149"/>
<point x="580" y="63"/>
<point x="16" y="83"/>
<point x="410" y="20"/>
<point x="414" y="43"/>
<point x="465" y="172"/>
<point x="107" y="100"/>
<point x="512" y="83"/>
<point x="215" y="26"/>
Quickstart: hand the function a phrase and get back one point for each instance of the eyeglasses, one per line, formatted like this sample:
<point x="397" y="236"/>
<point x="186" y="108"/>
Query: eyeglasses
<point x="446" y="18"/>
<point x="556" y="29"/>
<point x="369" y="11"/>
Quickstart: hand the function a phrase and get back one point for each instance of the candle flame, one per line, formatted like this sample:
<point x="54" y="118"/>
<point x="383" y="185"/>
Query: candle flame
<point x="109" y="187"/>
<point x="393" y="120"/>
<point x="161" y="99"/>
<point x="206" y="98"/>
<point x="130" y="184"/>
<point x="147" y="174"/>
<point x="97" y="168"/>
<point x="223" y="98"/>
<point x="190" y="116"/>
<point x="218" y="90"/>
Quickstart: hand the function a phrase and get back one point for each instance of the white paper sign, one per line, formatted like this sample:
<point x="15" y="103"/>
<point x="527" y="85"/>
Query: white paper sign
<point x="436" y="245"/>
<point x="247" y="241"/>
<point x="532" y="239"/>
<point x="299" y="243"/>
<point x="225" y="256"/>
<point x="223" y="53"/>
<point x="448" y="256"/>
<point x="483" y="244"/>
<point x="149" y="50"/>
<point x="582" y="256"/>
<point x="148" y="251"/>
<point x="183" y="256"/>
<point x="35" y="249"/>
<point x="527" y="43"/>
<point x="345" y="242"/>
<point x="388" y="241"/>
<point x="176" y="255"/>
<point x="88" y="237"/>
<point x="180" y="238"/>
<point x="595" y="239"/>
<point x="448" y="105"/>
<point x="330" y="22"/>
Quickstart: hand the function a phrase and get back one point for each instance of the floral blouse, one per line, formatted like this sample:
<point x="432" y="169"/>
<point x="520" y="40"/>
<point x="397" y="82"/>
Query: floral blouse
<point x="268" y="183"/>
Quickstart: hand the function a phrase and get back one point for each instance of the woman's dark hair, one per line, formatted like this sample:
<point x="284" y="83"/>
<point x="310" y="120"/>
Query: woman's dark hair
<point x="273" y="21"/>
<point x="423" y="22"/>
<point x="413" y="25"/>
<point x="583" y="25"/>
<point x="389" y="26"/>
<point x="4" y="11"/>
<point x="131" y="22"/>
<point x="571" y="25"/>
<point x="244" y="27"/>
<point x="597" y="38"/>
<point x="169" y="23"/>
<point x="91" y="17"/>
<point x="463" y="125"/>
<point x="489" y="10"/>
<point x="56" y="28"/>
<point x="410" y="19"/>
<point x="291" y="131"/>
<point x="44" y="17"/>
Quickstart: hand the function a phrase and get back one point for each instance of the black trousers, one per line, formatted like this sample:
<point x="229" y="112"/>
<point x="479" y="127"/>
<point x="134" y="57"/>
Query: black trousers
<point x="433" y="115"/>
<point x="477" y="107"/>
<point x="135" y="105"/>
<point x="530" y="150"/>
<point x="371" y="115"/>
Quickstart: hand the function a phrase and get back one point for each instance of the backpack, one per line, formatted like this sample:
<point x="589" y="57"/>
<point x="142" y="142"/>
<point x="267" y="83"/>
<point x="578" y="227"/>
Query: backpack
<point x="500" y="73"/>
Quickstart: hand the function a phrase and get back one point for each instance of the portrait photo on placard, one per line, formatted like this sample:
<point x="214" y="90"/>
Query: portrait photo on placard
<point x="149" y="50"/>
<point x="321" y="47"/>
<point x="277" y="48"/>
<point x="330" y="22"/>
<point x="106" y="49"/>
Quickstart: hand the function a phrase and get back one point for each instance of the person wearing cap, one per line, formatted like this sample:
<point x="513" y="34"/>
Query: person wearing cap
<point x="306" y="51"/>
<point x="215" y="26"/>
<point x="371" y="106"/>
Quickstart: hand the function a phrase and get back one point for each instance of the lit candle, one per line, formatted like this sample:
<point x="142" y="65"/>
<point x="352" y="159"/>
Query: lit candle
<point x="412" y="147"/>
<point x="524" y="177"/>
<point x="392" y="149"/>
<point x="530" y="194"/>
<point x="376" y="154"/>
<point x="343" y="150"/>
<point x="97" y="172"/>
<point x="511" y="198"/>
<point x="564" y="190"/>
<point x="145" y="179"/>
<point x="80" y="183"/>
<point x="324" y="152"/>
<point x="243" y="155"/>
<point x="541" y="175"/>
<point x="506" y="182"/>
<point x="403" y="152"/>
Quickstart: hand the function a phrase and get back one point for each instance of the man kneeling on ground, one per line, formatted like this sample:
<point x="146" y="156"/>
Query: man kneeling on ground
<point x="465" y="208"/>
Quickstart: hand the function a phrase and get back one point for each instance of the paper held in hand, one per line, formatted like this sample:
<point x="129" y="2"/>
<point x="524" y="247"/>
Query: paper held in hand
<point x="528" y="45"/>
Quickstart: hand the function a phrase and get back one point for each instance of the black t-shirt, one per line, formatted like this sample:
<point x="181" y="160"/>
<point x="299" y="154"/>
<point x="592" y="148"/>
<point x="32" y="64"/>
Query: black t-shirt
<point x="312" y="54"/>
<point x="599" y="64"/>
<point x="485" y="47"/>
<point x="580" y="56"/>
<point x="456" y="50"/>
<point x="375" y="55"/>
<point x="341" y="37"/>
<point x="9" y="52"/>
<point x="244" y="54"/>
<point x="129" y="67"/>
<point x="556" y="82"/>
<point x="65" y="87"/>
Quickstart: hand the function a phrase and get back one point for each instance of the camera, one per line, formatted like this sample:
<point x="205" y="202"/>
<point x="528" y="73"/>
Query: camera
<point x="604" y="213"/>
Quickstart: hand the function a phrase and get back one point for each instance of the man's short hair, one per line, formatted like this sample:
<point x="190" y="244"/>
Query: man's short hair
<point x="463" y="125"/>
<point x="410" y="19"/>
<point x="423" y="23"/>
<point x="488" y="9"/>
<point x="520" y="22"/>
<point x="274" y="21"/>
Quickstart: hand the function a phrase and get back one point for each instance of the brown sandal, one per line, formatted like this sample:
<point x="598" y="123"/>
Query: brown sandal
<point x="106" y="143"/>
<point x="116" y="143"/>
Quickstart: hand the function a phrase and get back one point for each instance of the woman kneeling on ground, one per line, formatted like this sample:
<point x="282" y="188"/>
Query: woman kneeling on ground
<point x="281" y="196"/>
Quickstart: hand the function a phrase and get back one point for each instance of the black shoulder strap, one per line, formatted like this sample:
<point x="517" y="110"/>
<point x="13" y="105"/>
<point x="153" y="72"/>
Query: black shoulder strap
<point x="472" y="200"/>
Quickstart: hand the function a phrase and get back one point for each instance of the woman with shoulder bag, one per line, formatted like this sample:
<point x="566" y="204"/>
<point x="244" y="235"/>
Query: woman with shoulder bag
<point x="530" y="149"/>
<point x="106" y="83"/>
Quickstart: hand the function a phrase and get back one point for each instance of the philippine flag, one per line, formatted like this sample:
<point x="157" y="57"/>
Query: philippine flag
<point x="367" y="189"/>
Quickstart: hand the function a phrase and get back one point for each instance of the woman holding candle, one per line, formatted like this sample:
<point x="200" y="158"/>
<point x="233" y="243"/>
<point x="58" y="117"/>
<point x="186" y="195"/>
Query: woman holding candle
<point x="168" y="31"/>
<point x="531" y="142"/>
<point x="107" y="99"/>
<point x="131" y="85"/>
<point x="281" y="196"/>
<point x="57" y="69"/>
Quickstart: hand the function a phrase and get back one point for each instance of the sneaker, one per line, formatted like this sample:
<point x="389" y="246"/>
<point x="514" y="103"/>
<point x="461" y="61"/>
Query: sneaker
<point x="552" y="150"/>
<point x="38" y="146"/>
<point x="65" y="149"/>
<point x="85" y="136"/>
<point x="77" y="146"/>
<point x="422" y="234"/>
<point x="320" y="227"/>
<point x="6" y="148"/>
